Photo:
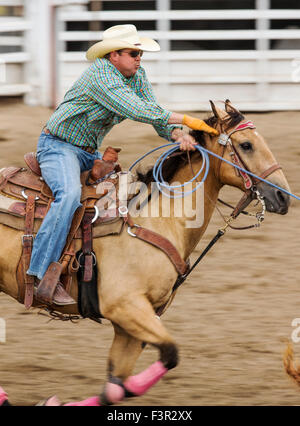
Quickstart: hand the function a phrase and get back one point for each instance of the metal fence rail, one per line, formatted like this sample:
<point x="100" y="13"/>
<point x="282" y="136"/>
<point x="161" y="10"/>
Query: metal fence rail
<point x="39" y="63"/>
<point x="13" y="60"/>
<point x="258" y="79"/>
<point x="180" y="15"/>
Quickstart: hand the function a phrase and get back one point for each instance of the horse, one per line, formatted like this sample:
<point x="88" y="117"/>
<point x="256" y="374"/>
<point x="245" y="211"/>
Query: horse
<point x="135" y="279"/>
<point x="289" y="364"/>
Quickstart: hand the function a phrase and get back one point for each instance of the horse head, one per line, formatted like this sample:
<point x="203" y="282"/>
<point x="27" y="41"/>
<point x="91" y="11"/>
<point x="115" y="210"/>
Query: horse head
<point x="240" y="143"/>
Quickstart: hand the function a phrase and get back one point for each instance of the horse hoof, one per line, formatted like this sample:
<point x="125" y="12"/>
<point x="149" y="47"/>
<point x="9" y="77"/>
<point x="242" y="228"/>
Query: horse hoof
<point x="53" y="401"/>
<point x="3" y="396"/>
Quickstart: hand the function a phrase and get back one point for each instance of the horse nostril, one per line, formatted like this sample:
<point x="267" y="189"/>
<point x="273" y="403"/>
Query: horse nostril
<point x="281" y="198"/>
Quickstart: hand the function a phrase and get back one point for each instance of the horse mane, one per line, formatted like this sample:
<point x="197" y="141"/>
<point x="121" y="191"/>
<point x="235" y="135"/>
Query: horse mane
<point x="173" y="163"/>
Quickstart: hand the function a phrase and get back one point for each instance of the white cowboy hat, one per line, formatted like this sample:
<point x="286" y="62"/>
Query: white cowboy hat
<point x="121" y="37"/>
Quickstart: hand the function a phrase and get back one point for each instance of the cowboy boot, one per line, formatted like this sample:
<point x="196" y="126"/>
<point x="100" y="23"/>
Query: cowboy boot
<point x="50" y="290"/>
<point x="60" y="296"/>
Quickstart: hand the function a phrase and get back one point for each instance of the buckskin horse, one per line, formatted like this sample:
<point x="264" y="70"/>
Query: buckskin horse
<point x="141" y="286"/>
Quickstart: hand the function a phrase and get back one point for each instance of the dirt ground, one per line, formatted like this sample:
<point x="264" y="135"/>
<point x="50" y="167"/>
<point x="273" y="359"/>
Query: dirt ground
<point x="231" y="319"/>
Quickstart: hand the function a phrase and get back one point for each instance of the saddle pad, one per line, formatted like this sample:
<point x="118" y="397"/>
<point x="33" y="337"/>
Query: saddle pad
<point x="20" y="182"/>
<point x="13" y="210"/>
<point x="12" y="214"/>
<point x="16" y="182"/>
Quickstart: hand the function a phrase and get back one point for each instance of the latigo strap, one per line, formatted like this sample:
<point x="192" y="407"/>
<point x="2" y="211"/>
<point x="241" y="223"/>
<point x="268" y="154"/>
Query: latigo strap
<point x="87" y="245"/>
<point x="27" y="281"/>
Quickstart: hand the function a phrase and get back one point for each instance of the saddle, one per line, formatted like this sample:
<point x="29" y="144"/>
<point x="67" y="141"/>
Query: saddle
<point x="25" y="199"/>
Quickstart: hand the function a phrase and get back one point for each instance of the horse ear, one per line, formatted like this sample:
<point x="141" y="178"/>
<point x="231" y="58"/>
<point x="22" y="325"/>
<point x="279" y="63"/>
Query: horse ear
<point x="218" y="113"/>
<point x="229" y="107"/>
<point x="227" y="104"/>
<point x="214" y="110"/>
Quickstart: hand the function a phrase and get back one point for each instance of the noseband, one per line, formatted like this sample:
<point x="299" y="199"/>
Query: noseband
<point x="251" y="191"/>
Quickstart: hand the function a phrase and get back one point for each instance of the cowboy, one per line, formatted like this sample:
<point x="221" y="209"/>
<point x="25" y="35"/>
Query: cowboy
<point x="113" y="88"/>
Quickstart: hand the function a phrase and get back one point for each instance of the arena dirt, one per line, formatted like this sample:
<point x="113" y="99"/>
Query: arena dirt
<point x="231" y="319"/>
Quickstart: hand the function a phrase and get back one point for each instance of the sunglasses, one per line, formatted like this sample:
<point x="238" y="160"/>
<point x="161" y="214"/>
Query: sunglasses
<point x="133" y="53"/>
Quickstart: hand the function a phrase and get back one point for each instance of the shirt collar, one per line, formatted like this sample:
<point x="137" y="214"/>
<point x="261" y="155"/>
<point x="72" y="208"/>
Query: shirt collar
<point x="115" y="70"/>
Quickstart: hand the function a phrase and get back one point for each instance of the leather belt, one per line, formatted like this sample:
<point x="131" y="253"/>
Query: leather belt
<point x="88" y="149"/>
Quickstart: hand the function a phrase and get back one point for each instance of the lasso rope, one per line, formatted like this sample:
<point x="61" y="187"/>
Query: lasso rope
<point x="158" y="167"/>
<point x="161" y="184"/>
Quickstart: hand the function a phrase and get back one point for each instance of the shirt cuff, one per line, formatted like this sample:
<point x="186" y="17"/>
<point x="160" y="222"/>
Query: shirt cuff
<point x="170" y="129"/>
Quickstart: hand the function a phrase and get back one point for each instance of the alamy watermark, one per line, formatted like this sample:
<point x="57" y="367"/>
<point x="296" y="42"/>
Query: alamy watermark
<point x="295" y="336"/>
<point x="143" y="200"/>
<point x="2" y="330"/>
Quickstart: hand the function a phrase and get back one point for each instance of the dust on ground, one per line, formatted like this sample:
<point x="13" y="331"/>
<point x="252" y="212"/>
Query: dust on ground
<point x="231" y="319"/>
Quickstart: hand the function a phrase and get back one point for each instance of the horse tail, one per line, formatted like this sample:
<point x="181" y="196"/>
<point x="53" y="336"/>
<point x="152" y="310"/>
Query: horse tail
<point x="289" y="365"/>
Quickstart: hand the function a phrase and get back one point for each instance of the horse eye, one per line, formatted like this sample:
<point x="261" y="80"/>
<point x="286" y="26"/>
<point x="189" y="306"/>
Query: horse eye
<point x="246" y="146"/>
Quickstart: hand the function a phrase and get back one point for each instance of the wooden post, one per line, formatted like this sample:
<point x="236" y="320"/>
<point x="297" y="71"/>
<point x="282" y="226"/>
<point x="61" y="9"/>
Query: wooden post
<point x="163" y="92"/>
<point x="41" y="42"/>
<point x="96" y="6"/>
<point x="37" y="70"/>
<point x="60" y="46"/>
<point x="262" y="45"/>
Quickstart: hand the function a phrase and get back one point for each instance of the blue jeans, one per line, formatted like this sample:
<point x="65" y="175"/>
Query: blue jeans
<point x="61" y="164"/>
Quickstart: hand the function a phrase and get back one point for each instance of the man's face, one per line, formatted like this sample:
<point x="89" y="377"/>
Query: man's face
<point x="127" y="61"/>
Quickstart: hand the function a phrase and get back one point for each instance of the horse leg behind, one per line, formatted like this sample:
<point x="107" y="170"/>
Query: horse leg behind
<point x="132" y="327"/>
<point x="135" y="322"/>
<point x="3" y="398"/>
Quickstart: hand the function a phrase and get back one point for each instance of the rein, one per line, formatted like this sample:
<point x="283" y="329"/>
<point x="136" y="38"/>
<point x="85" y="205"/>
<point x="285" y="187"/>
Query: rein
<point x="250" y="194"/>
<point x="251" y="191"/>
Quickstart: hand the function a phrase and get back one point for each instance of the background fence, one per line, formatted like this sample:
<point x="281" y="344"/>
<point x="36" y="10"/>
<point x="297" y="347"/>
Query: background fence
<point x="247" y="51"/>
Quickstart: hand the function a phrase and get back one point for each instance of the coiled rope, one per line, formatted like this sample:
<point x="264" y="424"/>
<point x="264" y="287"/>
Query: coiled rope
<point x="173" y="189"/>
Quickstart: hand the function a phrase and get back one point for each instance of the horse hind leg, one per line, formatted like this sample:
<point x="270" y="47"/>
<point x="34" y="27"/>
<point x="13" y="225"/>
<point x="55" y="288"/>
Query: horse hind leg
<point x="3" y="398"/>
<point x="138" y="319"/>
<point x="119" y="368"/>
<point x="135" y="324"/>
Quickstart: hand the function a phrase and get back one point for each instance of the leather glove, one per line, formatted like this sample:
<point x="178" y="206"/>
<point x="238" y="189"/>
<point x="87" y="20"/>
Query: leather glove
<point x="197" y="124"/>
<point x="108" y="164"/>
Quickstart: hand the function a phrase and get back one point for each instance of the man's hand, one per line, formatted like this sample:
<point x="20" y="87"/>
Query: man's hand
<point x="197" y="124"/>
<point x="187" y="142"/>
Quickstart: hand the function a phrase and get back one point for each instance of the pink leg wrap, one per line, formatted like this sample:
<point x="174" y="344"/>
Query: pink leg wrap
<point x="3" y="396"/>
<point x="93" y="401"/>
<point x="114" y="392"/>
<point x="138" y="385"/>
<point x="143" y="381"/>
<point x="53" y="401"/>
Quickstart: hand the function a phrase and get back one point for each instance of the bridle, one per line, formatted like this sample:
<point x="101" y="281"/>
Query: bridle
<point x="250" y="183"/>
<point x="251" y="193"/>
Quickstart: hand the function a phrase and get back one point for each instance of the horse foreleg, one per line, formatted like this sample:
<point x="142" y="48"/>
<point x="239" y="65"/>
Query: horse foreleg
<point x="118" y="364"/>
<point x="3" y="398"/>
<point x="119" y="367"/>
<point x="134" y="323"/>
<point x="137" y="317"/>
<point x="137" y="323"/>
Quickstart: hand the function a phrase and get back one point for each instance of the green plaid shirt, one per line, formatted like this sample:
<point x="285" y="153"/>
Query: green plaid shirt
<point x="103" y="97"/>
